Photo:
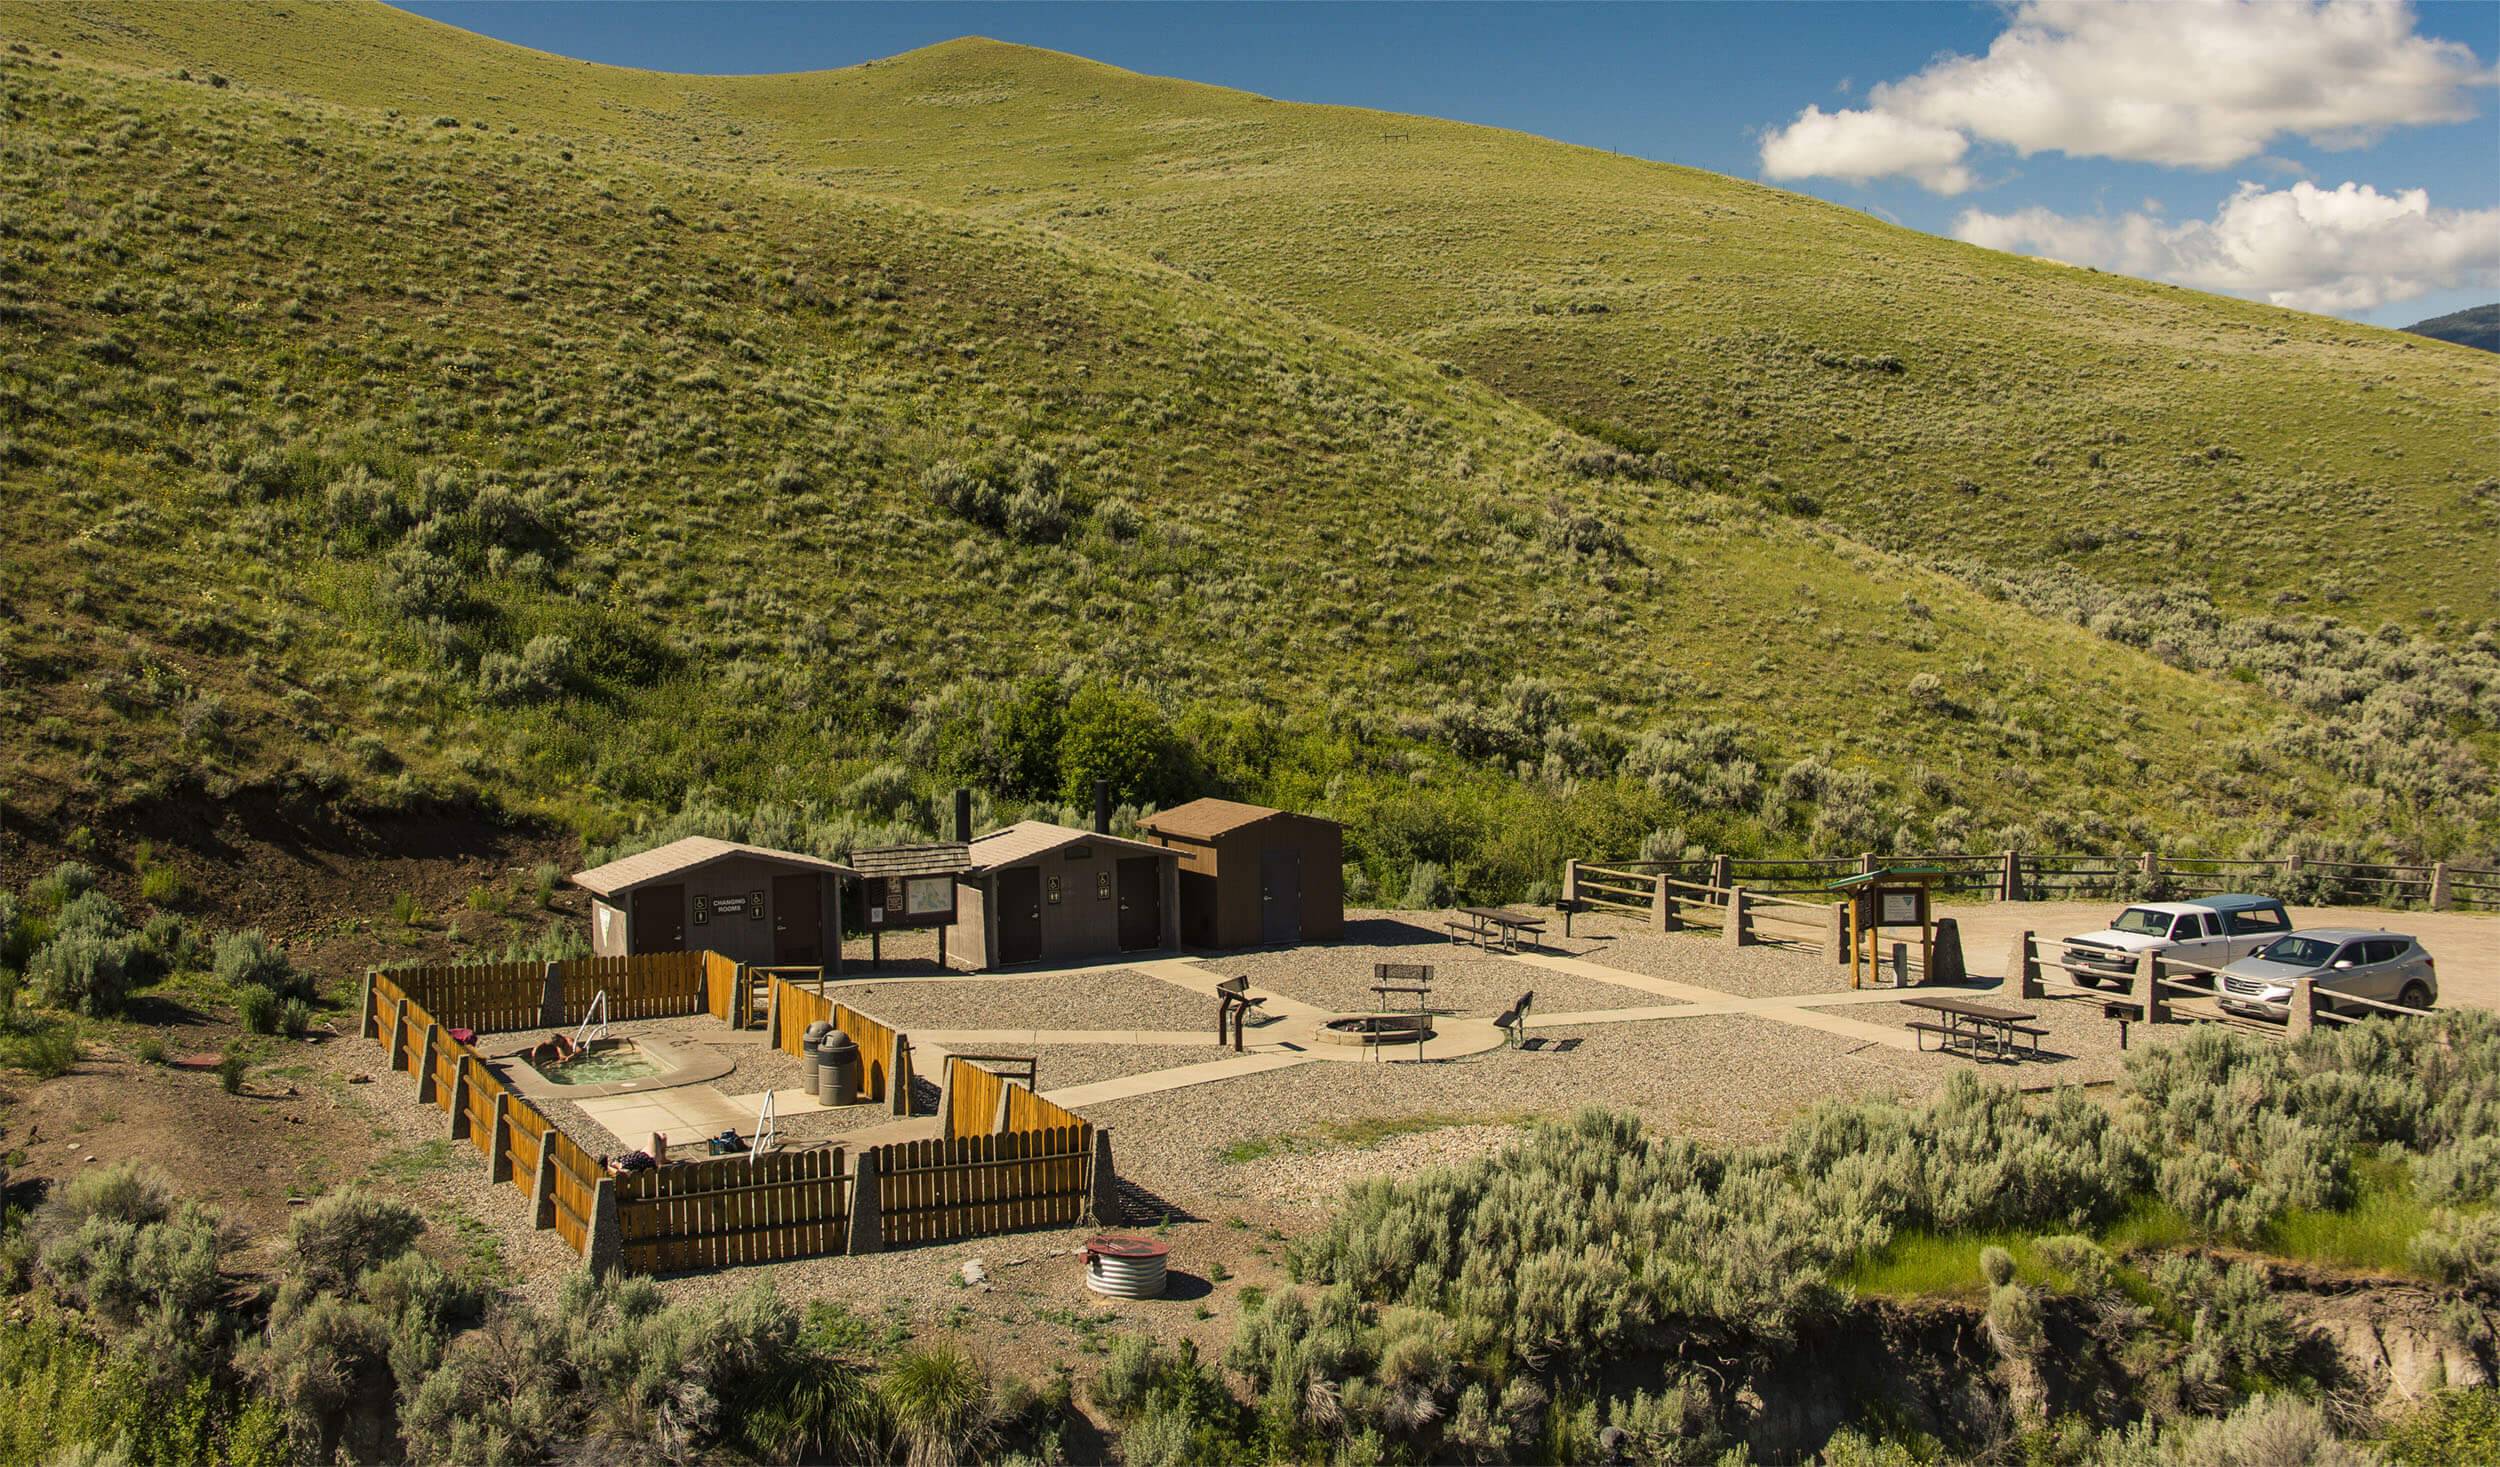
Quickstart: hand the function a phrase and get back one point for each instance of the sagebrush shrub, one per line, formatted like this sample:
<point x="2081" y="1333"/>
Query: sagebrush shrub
<point x="349" y="1231"/>
<point x="246" y="959"/>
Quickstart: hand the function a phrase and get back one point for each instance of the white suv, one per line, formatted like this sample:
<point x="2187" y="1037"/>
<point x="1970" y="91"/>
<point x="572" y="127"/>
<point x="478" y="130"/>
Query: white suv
<point x="2210" y="931"/>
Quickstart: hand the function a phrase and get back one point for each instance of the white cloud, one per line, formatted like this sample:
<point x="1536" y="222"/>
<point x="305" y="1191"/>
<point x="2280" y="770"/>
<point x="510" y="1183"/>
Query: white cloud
<point x="2192" y="83"/>
<point x="1862" y="145"/>
<point x="2340" y="250"/>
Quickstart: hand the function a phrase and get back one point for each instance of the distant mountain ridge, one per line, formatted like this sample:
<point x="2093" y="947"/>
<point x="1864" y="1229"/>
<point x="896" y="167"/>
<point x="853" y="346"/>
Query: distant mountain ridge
<point x="2475" y="326"/>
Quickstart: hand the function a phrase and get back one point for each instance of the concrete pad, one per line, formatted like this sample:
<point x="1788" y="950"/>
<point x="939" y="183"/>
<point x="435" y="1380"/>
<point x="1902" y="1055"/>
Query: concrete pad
<point x="686" y="1115"/>
<point x="1228" y="1068"/>
<point x="959" y="1040"/>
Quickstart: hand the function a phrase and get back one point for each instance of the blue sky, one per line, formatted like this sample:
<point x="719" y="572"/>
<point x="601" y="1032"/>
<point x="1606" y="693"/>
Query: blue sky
<point x="2270" y="151"/>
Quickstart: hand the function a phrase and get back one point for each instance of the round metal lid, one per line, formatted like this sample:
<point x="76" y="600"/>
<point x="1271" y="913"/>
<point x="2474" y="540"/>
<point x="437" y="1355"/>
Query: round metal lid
<point x="1111" y="1245"/>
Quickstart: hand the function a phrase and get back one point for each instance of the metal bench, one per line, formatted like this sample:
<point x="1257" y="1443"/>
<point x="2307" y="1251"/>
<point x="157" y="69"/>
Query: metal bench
<point x="1513" y="1021"/>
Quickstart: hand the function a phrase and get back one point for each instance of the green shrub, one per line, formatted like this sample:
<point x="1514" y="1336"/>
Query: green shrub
<point x="43" y="1045"/>
<point x="246" y="959"/>
<point x="85" y="970"/>
<point x="404" y="909"/>
<point x="544" y="878"/>
<point x="2450" y="1427"/>
<point x="256" y="1008"/>
<point x="294" y="1017"/>
<point x="162" y="885"/>
<point x="232" y="1067"/>
<point x="113" y="1240"/>
<point x="148" y="1050"/>
<point x="345" y="1233"/>
<point x="64" y="884"/>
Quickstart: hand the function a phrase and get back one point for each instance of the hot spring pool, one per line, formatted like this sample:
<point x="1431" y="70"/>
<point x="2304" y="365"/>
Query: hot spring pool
<point x="621" y="1060"/>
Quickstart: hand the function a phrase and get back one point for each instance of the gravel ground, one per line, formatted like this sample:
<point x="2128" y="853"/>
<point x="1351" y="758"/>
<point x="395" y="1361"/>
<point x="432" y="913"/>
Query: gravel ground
<point x="1699" y="957"/>
<point x="1311" y="1178"/>
<point x="1465" y="980"/>
<point x="1732" y="1078"/>
<point x="1104" y="998"/>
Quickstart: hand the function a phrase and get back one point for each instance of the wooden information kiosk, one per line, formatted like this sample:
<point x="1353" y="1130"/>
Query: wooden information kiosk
<point x="1889" y="897"/>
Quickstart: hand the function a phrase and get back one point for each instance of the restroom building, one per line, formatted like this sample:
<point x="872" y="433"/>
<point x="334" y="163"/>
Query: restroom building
<point x="1036" y="892"/>
<point x="749" y="903"/>
<point x="1251" y="876"/>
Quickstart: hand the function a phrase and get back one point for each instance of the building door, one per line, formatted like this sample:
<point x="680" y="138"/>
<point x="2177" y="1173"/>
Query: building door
<point x="798" y="920"/>
<point x="1280" y="895"/>
<point x="1019" y="914"/>
<point x="659" y="919"/>
<point x="1141" y="903"/>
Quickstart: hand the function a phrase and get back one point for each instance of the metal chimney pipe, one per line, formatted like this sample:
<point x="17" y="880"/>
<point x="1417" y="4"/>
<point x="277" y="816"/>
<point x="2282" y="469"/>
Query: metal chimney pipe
<point x="1102" y="807"/>
<point x="963" y="816"/>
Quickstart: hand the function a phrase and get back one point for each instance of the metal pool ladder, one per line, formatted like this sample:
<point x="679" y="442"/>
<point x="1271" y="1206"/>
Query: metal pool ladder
<point x="594" y="1020"/>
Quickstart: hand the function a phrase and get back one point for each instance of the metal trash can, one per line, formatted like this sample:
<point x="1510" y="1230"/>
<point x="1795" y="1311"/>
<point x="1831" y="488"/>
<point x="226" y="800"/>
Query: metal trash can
<point x="837" y="1070"/>
<point x="814" y="1038"/>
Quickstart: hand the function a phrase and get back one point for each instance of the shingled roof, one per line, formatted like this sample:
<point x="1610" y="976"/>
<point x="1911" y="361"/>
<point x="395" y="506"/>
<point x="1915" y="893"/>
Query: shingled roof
<point x="681" y="856"/>
<point x="1026" y="839"/>
<point x="1205" y="820"/>
<point x="935" y="858"/>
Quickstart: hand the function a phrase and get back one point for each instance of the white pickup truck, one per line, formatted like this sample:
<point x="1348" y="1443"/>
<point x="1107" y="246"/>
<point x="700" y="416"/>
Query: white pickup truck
<point x="2211" y="932"/>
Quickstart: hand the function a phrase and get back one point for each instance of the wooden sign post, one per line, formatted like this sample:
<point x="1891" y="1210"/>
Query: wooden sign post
<point x="1888" y="897"/>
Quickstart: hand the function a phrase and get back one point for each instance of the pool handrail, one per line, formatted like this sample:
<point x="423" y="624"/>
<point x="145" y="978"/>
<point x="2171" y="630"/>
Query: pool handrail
<point x="595" y="1015"/>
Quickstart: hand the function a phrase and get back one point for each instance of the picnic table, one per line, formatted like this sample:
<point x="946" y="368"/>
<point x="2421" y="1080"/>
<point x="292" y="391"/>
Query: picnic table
<point x="1495" y="927"/>
<point x="1976" y="1027"/>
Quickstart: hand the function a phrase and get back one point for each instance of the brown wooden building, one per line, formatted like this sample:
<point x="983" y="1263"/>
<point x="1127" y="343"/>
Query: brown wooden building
<point x="1038" y="892"/>
<point x="744" y="902"/>
<point x="1251" y="876"/>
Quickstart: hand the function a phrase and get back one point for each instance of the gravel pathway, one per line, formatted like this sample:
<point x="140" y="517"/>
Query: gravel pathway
<point x="1102" y="998"/>
<point x="1465" y="980"/>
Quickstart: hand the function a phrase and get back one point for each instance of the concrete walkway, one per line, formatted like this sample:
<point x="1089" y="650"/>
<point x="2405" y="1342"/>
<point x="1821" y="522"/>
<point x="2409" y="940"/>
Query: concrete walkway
<point x="1231" y="1067"/>
<point x="1799" y="1010"/>
<point x="956" y="1041"/>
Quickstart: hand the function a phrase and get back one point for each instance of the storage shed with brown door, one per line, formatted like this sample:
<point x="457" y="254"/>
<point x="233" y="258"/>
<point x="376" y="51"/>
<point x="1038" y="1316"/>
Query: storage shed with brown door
<point x="1038" y="892"/>
<point x="744" y="902"/>
<point x="1251" y="876"/>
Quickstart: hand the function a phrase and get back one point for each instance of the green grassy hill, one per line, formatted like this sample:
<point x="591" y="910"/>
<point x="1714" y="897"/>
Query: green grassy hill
<point x="382" y="456"/>
<point x="1931" y="396"/>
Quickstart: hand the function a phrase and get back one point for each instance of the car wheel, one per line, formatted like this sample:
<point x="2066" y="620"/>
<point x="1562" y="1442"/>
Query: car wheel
<point x="2415" y="996"/>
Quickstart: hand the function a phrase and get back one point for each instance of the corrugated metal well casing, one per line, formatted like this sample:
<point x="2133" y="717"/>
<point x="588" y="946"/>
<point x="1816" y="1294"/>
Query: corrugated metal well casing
<point x="1126" y="1268"/>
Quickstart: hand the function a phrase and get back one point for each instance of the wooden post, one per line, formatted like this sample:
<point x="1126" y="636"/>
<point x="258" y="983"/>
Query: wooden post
<point x="2150" y="866"/>
<point x="2440" y="898"/>
<point x="460" y="1093"/>
<point x="946" y="1097"/>
<point x="2023" y="966"/>
<point x="366" y="1025"/>
<point x="1900" y="965"/>
<point x="1000" y="1112"/>
<point x="2304" y="1009"/>
<point x="1662" y="914"/>
<point x="605" y="1248"/>
<point x="425" y="1062"/>
<point x="1571" y="879"/>
<point x="499" y="1149"/>
<point x="2148" y="988"/>
<point x="399" y="1035"/>
<point x="1103" y="1190"/>
<point x="867" y="1221"/>
<point x="543" y="1185"/>
<point x="1866" y="862"/>
<point x="2010" y="879"/>
<point x="551" y="998"/>
<point x="1722" y="870"/>
<point x="1739" y="928"/>
<point x="898" y="1074"/>
<point x="1836" y="936"/>
<point x="772" y="1005"/>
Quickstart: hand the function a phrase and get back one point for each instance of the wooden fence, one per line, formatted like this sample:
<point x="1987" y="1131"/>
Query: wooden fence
<point x="520" y="1145"/>
<point x="2154" y="988"/>
<point x="885" y="1071"/>
<point x="1739" y="914"/>
<point x="487" y="998"/>
<point x="733" y="1210"/>
<point x="1029" y="1162"/>
<point x="966" y="1186"/>
<point x="2039" y="876"/>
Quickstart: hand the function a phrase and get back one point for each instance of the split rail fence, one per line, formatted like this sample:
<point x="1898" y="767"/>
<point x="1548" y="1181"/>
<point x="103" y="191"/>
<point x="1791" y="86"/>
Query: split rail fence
<point x="1740" y="915"/>
<point x="2156" y="986"/>
<point x="2030" y="876"/>
<point x="1027" y="1163"/>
